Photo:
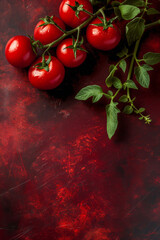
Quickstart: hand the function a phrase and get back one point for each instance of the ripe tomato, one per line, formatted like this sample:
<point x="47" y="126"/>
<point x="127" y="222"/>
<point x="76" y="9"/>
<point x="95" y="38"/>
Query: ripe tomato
<point x="66" y="55"/>
<point x="19" y="51"/>
<point x="48" y="33"/>
<point x="68" y="14"/>
<point x="103" y="39"/>
<point x="44" y="80"/>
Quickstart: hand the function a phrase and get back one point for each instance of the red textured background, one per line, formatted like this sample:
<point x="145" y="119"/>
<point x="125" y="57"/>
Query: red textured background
<point x="60" y="176"/>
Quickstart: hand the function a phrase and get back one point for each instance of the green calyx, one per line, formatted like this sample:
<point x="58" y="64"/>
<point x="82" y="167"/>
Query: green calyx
<point x="104" y="23"/>
<point x="44" y="64"/>
<point x="35" y="44"/>
<point x="49" y="20"/>
<point x="79" y="8"/>
<point x="77" y="46"/>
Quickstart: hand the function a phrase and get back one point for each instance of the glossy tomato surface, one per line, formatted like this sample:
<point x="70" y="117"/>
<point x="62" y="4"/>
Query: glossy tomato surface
<point x="48" y="33"/>
<point x="103" y="39"/>
<point x="19" y="52"/>
<point x="44" y="80"/>
<point x="66" y="55"/>
<point x="68" y="15"/>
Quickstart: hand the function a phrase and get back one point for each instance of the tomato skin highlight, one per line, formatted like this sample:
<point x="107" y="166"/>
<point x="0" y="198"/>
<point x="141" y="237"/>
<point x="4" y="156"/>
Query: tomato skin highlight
<point x="66" y="55"/>
<point x="48" y="33"/>
<point x="68" y="15"/>
<point x="19" y="52"/>
<point x="44" y="80"/>
<point x="103" y="39"/>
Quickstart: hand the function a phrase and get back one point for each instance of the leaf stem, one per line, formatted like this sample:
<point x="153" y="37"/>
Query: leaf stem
<point x="116" y="93"/>
<point x="152" y="24"/>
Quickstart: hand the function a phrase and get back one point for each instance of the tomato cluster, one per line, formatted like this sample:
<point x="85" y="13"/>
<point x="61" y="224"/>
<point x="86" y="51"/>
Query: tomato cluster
<point x="47" y="72"/>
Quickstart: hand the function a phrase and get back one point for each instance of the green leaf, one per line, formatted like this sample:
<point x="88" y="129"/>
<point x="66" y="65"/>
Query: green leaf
<point x="151" y="58"/>
<point x="117" y="12"/>
<point x="147" y="67"/>
<point x="115" y="3"/>
<point x="102" y="2"/>
<point x="152" y="11"/>
<point x="111" y="67"/>
<point x="142" y="76"/>
<point x="123" y="65"/>
<point x="110" y="93"/>
<point x="93" y="91"/>
<point x="134" y="30"/>
<point x="116" y="82"/>
<point x="141" y="110"/>
<point x="128" y="12"/>
<point x="141" y="118"/>
<point x="130" y="84"/>
<point x="112" y="118"/>
<point x="123" y="52"/>
<point x="123" y="98"/>
<point x="128" y="109"/>
<point x="109" y="79"/>
<point x="137" y="3"/>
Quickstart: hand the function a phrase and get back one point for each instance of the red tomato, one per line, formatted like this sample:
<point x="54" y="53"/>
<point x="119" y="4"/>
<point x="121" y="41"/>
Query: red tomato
<point x="44" y="80"/>
<point x="66" y="55"/>
<point x="103" y="39"/>
<point x="48" y="33"/>
<point x="19" y="51"/>
<point x="68" y="15"/>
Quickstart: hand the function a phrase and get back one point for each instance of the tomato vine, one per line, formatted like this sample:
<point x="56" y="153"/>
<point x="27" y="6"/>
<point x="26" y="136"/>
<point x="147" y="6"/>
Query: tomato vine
<point x="134" y="12"/>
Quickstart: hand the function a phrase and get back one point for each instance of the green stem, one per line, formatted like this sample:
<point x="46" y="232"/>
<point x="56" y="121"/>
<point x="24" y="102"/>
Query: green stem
<point x="131" y="66"/>
<point x="146" y="118"/>
<point x="104" y="17"/>
<point x="116" y="93"/>
<point x="78" y="34"/>
<point x="62" y="30"/>
<point x="134" y="55"/>
<point x="89" y="13"/>
<point x="152" y="24"/>
<point x="133" y="58"/>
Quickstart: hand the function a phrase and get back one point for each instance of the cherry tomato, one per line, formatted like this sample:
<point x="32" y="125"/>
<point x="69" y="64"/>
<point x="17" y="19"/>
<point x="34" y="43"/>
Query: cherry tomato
<point x="66" y="55"/>
<point x="44" y="80"/>
<point x="48" y="33"/>
<point x="19" y="51"/>
<point x="103" y="39"/>
<point x="68" y="14"/>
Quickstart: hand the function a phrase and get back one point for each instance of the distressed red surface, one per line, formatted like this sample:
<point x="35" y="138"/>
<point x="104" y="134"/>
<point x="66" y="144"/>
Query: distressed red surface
<point x="60" y="176"/>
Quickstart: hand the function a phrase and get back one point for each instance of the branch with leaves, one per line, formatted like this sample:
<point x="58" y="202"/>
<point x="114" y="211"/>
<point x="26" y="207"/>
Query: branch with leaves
<point x="133" y="11"/>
